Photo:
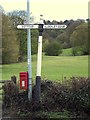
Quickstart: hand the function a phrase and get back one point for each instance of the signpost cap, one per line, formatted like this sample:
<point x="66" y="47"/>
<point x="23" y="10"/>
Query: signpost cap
<point x="41" y="19"/>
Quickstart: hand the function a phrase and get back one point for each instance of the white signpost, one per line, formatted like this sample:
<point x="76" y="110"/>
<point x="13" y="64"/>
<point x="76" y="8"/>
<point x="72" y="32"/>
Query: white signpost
<point x="40" y="27"/>
<point x="33" y="26"/>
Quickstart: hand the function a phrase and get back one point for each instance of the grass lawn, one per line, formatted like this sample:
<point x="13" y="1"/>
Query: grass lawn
<point x="53" y="67"/>
<point x="67" y="52"/>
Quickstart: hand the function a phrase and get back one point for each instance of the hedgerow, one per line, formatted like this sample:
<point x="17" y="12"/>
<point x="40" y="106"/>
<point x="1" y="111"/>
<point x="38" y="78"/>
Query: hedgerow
<point x="72" y="95"/>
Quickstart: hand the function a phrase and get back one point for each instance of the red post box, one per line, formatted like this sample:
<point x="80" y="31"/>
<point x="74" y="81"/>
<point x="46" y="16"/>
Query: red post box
<point x="23" y="80"/>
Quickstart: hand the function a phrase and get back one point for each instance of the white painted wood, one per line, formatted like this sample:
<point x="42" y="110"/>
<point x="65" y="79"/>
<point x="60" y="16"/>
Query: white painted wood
<point x="54" y="26"/>
<point x="39" y="56"/>
<point x="27" y="26"/>
<point x="32" y="26"/>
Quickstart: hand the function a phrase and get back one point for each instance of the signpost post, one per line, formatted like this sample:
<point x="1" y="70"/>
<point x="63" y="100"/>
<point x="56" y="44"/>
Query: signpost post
<point x="29" y="54"/>
<point x="40" y="27"/>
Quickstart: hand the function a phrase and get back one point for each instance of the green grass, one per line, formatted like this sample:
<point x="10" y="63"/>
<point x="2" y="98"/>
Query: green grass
<point x="54" y="115"/>
<point x="67" y="52"/>
<point x="53" y="67"/>
<point x="59" y="115"/>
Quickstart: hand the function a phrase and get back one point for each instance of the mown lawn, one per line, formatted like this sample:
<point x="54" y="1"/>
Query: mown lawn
<point x="67" y="52"/>
<point x="53" y="67"/>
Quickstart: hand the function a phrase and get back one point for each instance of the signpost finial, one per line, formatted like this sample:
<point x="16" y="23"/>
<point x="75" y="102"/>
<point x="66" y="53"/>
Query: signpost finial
<point x="41" y="19"/>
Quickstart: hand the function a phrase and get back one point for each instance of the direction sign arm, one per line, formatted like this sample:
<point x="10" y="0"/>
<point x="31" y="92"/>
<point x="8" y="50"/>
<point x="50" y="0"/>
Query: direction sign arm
<point x="54" y="26"/>
<point x="28" y="26"/>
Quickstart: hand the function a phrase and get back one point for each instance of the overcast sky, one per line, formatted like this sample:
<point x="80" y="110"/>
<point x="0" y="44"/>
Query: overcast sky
<point x="51" y="9"/>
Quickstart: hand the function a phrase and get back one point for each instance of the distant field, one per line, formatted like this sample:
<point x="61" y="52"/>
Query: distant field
<point x="67" y="52"/>
<point x="53" y="67"/>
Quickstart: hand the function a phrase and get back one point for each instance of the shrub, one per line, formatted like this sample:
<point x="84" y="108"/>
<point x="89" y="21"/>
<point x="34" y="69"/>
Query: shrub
<point x="77" y="51"/>
<point x="53" y="49"/>
<point x="11" y="92"/>
<point x="72" y="95"/>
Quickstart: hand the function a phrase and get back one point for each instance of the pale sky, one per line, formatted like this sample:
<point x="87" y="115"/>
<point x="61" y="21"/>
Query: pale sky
<point x="51" y="9"/>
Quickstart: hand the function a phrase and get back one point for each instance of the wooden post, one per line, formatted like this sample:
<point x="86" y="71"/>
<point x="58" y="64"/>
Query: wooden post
<point x="14" y="79"/>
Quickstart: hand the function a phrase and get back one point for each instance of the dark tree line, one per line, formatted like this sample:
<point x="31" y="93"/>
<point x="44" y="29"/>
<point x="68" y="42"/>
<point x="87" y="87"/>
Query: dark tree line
<point x="75" y="36"/>
<point x="10" y="46"/>
<point x="14" y="41"/>
<point x="14" y="46"/>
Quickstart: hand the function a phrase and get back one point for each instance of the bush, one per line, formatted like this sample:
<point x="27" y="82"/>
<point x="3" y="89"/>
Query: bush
<point x="77" y="51"/>
<point x="79" y="95"/>
<point x="72" y="95"/>
<point x="11" y="92"/>
<point x="53" y="49"/>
